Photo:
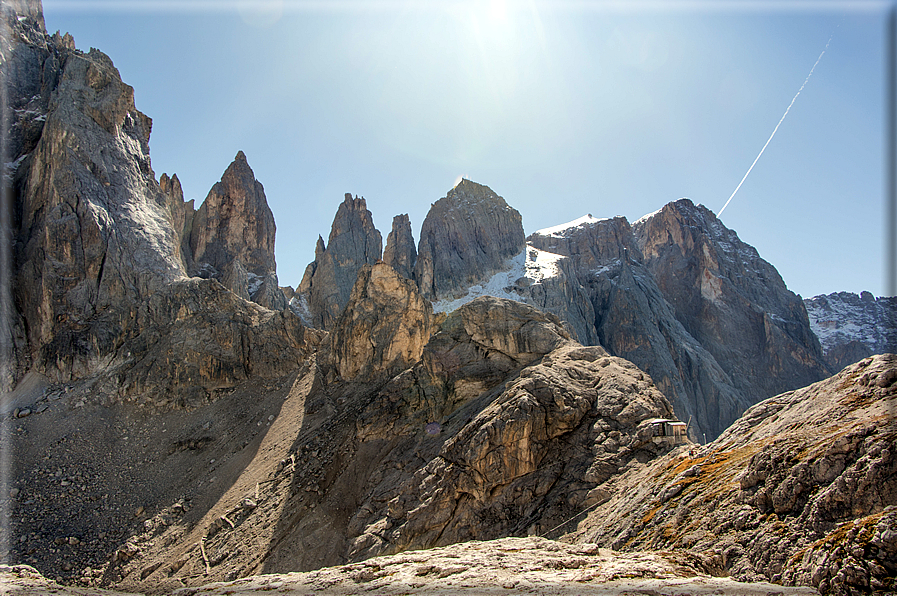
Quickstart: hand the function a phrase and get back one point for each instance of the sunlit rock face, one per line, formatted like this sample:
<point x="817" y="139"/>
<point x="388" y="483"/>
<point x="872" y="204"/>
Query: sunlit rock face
<point x="632" y="320"/>
<point x="328" y="281"/>
<point x="467" y="236"/>
<point x="91" y="232"/>
<point x="383" y="328"/>
<point x="232" y="237"/>
<point x="800" y="490"/>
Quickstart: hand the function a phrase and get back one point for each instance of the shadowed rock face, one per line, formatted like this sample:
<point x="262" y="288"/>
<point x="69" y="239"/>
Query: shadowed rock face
<point x="732" y="301"/>
<point x="400" y="253"/>
<point x="634" y="321"/>
<point x="328" y="281"/>
<point x="466" y="237"/>
<point x="802" y="489"/>
<point x="232" y="237"/>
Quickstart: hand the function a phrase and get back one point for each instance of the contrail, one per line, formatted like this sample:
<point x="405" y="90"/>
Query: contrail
<point x="777" y="126"/>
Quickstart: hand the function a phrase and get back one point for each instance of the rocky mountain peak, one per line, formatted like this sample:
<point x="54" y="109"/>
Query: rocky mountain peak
<point x="232" y="237"/>
<point x="851" y="327"/>
<point x="467" y="236"/>
<point x="328" y="281"/>
<point x="400" y="252"/>
<point x="731" y="300"/>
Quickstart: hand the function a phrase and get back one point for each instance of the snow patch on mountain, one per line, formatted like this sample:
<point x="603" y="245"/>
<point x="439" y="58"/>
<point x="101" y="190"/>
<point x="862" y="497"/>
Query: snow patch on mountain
<point x="530" y="266"/>
<point x="842" y="317"/>
<point x="559" y="230"/>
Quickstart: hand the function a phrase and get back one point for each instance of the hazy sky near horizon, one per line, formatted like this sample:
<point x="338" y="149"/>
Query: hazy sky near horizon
<point x="562" y="108"/>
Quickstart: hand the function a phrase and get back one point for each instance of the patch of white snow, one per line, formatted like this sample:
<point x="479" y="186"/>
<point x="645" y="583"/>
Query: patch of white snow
<point x="558" y="231"/>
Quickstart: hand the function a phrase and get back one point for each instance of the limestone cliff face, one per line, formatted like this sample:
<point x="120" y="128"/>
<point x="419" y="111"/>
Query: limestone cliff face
<point x="732" y="301"/>
<point x="329" y="279"/>
<point x="384" y="327"/>
<point x="232" y="237"/>
<point x="101" y="250"/>
<point x="92" y="236"/>
<point x="400" y="253"/>
<point x="634" y="321"/>
<point x="466" y="237"/>
<point x="182" y="213"/>
<point x="800" y="490"/>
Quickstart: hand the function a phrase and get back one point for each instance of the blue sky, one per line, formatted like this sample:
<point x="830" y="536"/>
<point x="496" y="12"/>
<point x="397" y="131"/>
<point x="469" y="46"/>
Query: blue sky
<point x="562" y="108"/>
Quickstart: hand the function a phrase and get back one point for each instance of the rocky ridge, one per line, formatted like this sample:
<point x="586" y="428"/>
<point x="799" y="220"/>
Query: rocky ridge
<point x="801" y="490"/>
<point x="259" y="444"/>
<point x="852" y="327"/>
<point x="327" y="284"/>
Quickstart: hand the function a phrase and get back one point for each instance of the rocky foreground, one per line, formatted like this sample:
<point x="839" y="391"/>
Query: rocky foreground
<point x="505" y="566"/>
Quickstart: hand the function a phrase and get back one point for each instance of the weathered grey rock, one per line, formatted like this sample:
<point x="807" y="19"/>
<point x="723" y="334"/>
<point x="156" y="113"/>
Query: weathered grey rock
<point x="384" y="327"/>
<point x="503" y="427"/>
<point x="852" y="327"/>
<point x="232" y="237"/>
<point x="466" y="237"/>
<point x="92" y="236"/>
<point x="400" y="253"/>
<point x="182" y="213"/>
<point x="328" y="281"/>
<point x="802" y="489"/>
<point x="526" y="460"/>
<point x="634" y="321"/>
<point x="194" y="339"/>
<point x="732" y="301"/>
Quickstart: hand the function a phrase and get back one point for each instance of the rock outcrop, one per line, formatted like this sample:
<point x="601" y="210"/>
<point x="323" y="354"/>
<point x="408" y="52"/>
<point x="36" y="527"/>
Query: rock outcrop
<point x="328" y="281"/>
<point x="504" y="426"/>
<point x="232" y="237"/>
<point x="732" y="301"/>
<point x="467" y="236"/>
<point x="852" y="327"/>
<point x="384" y="327"/>
<point x="802" y="489"/>
<point x="101" y="250"/>
<point x="400" y="253"/>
